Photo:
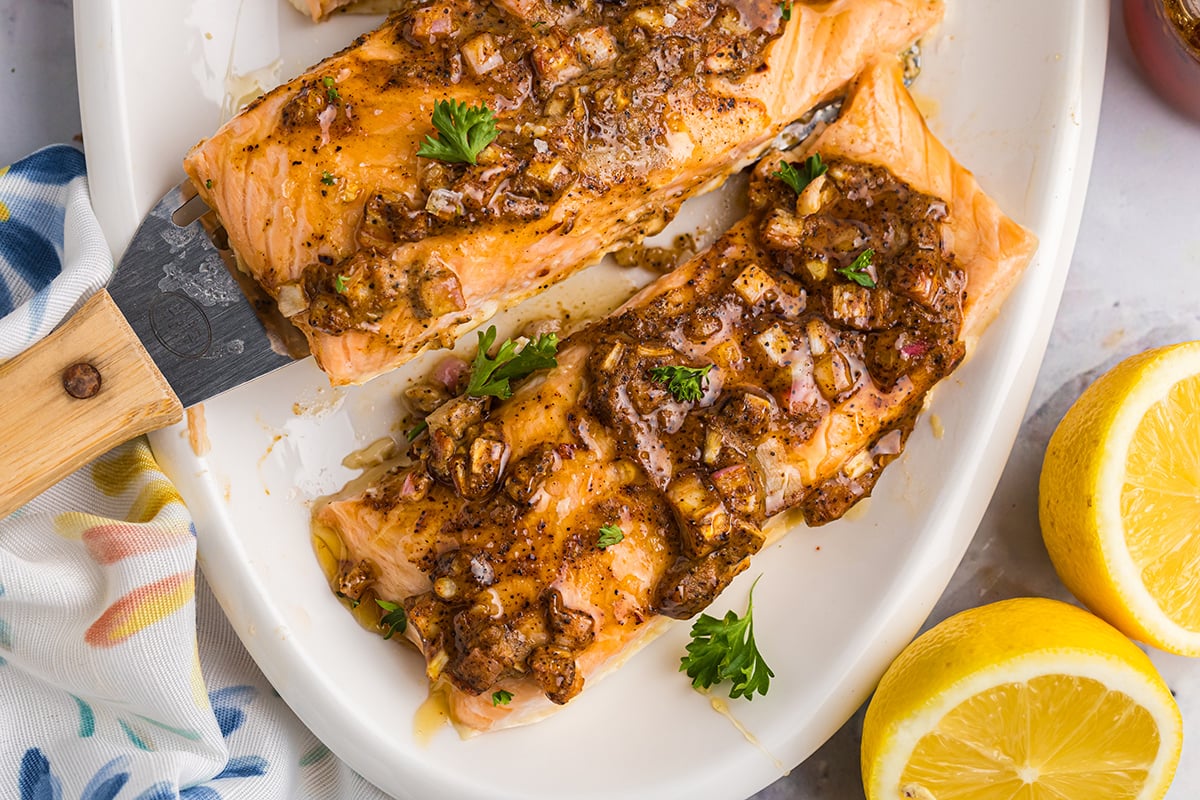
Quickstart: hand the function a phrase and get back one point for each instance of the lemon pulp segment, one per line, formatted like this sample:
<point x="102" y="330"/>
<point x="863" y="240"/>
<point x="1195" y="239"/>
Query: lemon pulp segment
<point x="1051" y="737"/>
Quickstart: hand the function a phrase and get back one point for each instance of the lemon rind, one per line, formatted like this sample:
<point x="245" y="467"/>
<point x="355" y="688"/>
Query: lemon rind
<point x="1154" y="381"/>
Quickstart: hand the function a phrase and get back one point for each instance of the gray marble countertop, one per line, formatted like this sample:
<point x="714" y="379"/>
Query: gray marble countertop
<point x="1133" y="285"/>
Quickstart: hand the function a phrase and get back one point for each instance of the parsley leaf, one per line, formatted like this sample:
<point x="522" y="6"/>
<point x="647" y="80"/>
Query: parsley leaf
<point x="327" y="178"/>
<point x="609" y="535"/>
<point x="724" y="650"/>
<point x="857" y="271"/>
<point x="395" y="620"/>
<point x="208" y="184"/>
<point x="463" y="132"/>
<point x="501" y="697"/>
<point x="339" y="284"/>
<point x="490" y="375"/>
<point x="415" y="432"/>
<point x="330" y="90"/>
<point x="684" y="383"/>
<point x="799" y="178"/>
<point x="785" y="9"/>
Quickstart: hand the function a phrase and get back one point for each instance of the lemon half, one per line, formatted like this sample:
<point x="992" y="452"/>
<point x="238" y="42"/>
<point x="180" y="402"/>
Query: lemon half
<point x="1119" y="498"/>
<point x="1026" y="699"/>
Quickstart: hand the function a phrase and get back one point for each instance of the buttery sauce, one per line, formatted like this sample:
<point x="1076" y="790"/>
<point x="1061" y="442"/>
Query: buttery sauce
<point x="858" y="510"/>
<point x="242" y="89"/>
<point x="721" y="707"/>
<point x="660" y="259"/>
<point x="331" y="553"/>
<point x="372" y="455"/>
<point x="431" y="716"/>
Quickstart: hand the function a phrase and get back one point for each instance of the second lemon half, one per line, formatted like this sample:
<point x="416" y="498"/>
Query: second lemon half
<point x="1119" y="498"/>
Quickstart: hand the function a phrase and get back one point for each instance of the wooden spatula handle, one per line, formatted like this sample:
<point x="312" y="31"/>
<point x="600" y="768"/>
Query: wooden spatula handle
<point x="45" y="432"/>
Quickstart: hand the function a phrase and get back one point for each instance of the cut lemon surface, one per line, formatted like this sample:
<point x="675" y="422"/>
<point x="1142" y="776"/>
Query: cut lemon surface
<point x="1119" y="497"/>
<point x="1026" y="699"/>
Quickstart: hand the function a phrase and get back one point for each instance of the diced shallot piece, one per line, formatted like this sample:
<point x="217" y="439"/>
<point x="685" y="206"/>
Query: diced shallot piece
<point x="445" y="203"/>
<point x="776" y="344"/>
<point x="702" y="517"/>
<point x="291" y="299"/>
<point x="811" y="199"/>
<point x="432" y="22"/>
<point x="450" y="371"/>
<point x="753" y="283"/>
<point x="596" y="46"/>
<point x="482" y="53"/>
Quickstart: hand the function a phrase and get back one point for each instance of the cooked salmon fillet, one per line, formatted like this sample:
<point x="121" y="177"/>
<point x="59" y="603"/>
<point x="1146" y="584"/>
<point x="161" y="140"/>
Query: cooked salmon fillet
<point x="608" y="116"/>
<point x="821" y="359"/>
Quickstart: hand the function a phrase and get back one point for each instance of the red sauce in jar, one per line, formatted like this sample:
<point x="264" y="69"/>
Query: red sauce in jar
<point x="1165" y="36"/>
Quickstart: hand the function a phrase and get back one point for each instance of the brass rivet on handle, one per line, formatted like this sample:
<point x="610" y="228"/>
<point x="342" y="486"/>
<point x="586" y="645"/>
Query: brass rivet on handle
<point x="81" y="380"/>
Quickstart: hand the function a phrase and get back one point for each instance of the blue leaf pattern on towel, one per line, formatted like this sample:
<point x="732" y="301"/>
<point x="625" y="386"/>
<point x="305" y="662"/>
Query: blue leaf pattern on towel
<point x="227" y="706"/>
<point x="37" y="309"/>
<point x="35" y="780"/>
<point x="199" y="793"/>
<point x="53" y="165"/>
<point x="29" y="254"/>
<point x="159" y="791"/>
<point x="7" y="303"/>
<point x="32" y="223"/>
<point x="167" y="791"/>
<point x="243" y="767"/>
<point x="107" y="782"/>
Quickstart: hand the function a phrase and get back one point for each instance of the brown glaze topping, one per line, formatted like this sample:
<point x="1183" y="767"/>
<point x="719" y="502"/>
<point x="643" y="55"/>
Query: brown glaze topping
<point x="582" y="93"/>
<point x="795" y="346"/>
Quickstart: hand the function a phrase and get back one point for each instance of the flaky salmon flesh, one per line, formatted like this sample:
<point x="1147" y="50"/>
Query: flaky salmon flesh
<point x="608" y="115"/>
<point x="824" y="318"/>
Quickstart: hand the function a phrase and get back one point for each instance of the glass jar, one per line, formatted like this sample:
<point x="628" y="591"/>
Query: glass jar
<point x="1165" y="36"/>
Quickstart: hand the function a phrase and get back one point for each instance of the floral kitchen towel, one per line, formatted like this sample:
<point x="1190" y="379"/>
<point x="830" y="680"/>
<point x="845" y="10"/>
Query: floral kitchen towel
<point x="119" y="677"/>
<point x="52" y="254"/>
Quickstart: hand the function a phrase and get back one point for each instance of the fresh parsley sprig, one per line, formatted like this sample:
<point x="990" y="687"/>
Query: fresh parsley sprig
<point x="491" y="375"/>
<point x="812" y="169"/>
<point x="609" y="535"/>
<point x="463" y="132"/>
<point x="395" y="620"/>
<point x="339" y="283"/>
<point x="724" y="650"/>
<point x="501" y="697"/>
<point x="857" y="271"/>
<point x="785" y="10"/>
<point x="684" y="383"/>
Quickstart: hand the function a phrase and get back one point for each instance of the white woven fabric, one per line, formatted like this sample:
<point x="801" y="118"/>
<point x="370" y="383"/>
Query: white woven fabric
<point x="119" y="676"/>
<point x="52" y="254"/>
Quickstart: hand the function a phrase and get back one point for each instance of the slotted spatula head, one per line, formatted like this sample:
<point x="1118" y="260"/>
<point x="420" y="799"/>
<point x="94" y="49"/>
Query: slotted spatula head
<point x="192" y="315"/>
